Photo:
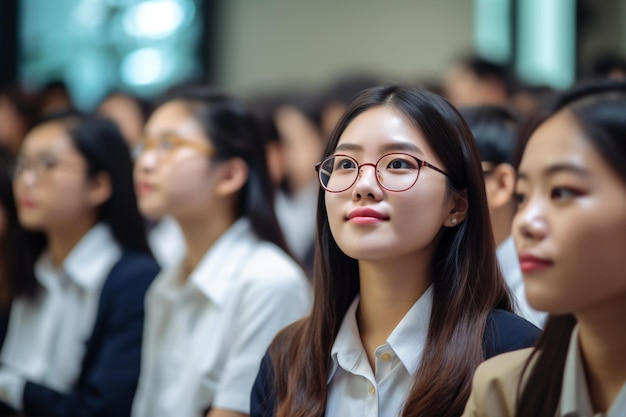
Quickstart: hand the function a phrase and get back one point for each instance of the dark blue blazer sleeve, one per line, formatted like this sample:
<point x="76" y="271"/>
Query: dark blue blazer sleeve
<point x="263" y="397"/>
<point x="506" y="332"/>
<point x="110" y="368"/>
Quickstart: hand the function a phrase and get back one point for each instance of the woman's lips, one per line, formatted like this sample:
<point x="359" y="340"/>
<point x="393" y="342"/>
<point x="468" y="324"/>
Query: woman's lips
<point x="366" y="216"/>
<point x="27" y="203"/>
<point x="531" y="263"/>
<point x="144" y="188"/>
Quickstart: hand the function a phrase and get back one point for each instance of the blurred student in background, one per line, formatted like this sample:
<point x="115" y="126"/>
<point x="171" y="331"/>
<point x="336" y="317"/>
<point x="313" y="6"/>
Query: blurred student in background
<point x="130" y="114"/>
<point x="211" y="317"/>
<point x="570" y="232"/>
<point x="495" y="130"/>
<point x="74" y="348"/>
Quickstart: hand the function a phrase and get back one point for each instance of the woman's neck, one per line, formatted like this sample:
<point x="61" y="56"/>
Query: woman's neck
<point x="388" y="291"/>
<point x="201" y="233"/>
<point x="62" y="241"/>
<point x="603" y="343"/>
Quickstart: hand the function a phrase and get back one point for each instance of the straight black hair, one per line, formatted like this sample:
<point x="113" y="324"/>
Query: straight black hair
<point x="18" y="247"/>
<point x="100" y="142"/>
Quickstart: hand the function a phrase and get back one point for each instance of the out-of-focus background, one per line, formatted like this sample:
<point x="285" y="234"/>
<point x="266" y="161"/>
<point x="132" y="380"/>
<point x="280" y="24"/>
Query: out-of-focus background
<point x="250" y="46"/>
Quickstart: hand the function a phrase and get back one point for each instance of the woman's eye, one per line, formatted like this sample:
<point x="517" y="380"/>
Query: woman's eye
<point x="401" y="164"/>
<point x="345" y="164"/>
<point x="166" y="145"/>
<point x="48" y="164"/>
<point x="519" y="198"/>
<point x="563" y="192"/>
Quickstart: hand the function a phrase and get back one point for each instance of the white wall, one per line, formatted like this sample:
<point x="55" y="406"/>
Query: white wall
<point x="267" y="44"/>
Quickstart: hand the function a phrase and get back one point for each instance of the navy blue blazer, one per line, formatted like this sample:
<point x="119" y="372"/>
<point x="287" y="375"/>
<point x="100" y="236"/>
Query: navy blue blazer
<point x="504" y="332"/>
<point x="110" y="368"/>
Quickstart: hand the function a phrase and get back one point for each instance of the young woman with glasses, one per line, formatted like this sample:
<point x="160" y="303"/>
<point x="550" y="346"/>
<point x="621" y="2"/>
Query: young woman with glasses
<point x="211" y="317"/>
<point x="408" y="298"/>
<point x="570" y="232"/>
<point x="73" y="348"/>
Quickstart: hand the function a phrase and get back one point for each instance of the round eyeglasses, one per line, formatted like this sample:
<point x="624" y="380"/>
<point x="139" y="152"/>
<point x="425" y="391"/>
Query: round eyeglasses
<point x="167" y="144"/>
<point x="394" y="172"/>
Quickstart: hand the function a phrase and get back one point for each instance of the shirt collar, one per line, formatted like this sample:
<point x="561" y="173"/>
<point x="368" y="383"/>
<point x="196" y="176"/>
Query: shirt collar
<point x="575" y="399"/>
<point x="216" y="270"/>
<point x="89" y="262"/>
<point x="574" y="393"/>
<point x="407" y="339"/>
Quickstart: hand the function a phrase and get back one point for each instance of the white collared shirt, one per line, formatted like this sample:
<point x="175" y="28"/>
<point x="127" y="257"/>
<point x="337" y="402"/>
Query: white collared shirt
<point x="354" y="390"/>
<point x="167" y="242"/>
<point x="509" y="264"/>
<point x="46" y="337"/>
<point x="575" y="400"/>
<point x="204" y="339"/>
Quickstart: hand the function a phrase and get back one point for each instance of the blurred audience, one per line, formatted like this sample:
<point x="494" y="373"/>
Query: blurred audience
<point x="495" y="130"/>
<point x="74" y="349"/>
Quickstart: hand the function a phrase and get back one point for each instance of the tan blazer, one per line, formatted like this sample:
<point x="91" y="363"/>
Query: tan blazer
<point x="495" y="385"/>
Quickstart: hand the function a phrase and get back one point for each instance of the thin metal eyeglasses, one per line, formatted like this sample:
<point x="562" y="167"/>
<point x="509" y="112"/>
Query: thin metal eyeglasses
<point x="167" y="144"/>
<point x="394" y="171"/>
<point x="40" y="167"/>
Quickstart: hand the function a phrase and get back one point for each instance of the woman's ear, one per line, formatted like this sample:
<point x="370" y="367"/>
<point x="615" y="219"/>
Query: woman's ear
<point x="500" y="185"/>
<point x="233" y="175"/>
<point x="100" y="189"/>
<point x="459" y="209"/>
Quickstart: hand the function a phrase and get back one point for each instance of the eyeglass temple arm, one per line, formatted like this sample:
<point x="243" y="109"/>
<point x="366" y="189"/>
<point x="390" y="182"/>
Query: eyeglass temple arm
<point x="426" y="164"/>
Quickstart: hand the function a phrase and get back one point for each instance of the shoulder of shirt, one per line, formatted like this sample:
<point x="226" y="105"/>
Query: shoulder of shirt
<point x="495" y="385"/>
<point x="268" y="261"/>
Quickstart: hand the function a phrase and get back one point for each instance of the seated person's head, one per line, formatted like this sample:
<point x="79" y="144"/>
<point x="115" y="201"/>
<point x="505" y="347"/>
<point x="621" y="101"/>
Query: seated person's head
<point x="495" y="131"/>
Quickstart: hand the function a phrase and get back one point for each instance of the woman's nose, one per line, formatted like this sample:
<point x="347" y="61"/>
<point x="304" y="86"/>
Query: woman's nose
<point x="530" y="221"/>
<point x="367" y="185"/>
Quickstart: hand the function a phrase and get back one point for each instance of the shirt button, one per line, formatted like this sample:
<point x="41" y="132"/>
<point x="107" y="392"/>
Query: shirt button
<point x="372" y="389"/>
<point x="385" y="356"/>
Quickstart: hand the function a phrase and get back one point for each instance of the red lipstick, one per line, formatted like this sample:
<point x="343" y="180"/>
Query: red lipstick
<point x="531" y="263"/>
<point x="366" y="216"/>
<point x="144" y="188"/>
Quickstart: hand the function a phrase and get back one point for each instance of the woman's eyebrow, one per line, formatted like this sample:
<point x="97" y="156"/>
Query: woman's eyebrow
<point x="401" y="146"/>
<point x="348" y="147"/>
<point x="388" y="147"/>
<point x="558" y="168"/>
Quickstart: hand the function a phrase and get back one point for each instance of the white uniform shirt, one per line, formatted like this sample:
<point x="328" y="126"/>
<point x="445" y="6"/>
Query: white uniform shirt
<point x="167" y="242"/>
<point x="575" y="400"/>
<point x="204" y="340"/>
<point x="509" y="264"/>
<point x="46" y="337"/>
<point x="353" y="388"/>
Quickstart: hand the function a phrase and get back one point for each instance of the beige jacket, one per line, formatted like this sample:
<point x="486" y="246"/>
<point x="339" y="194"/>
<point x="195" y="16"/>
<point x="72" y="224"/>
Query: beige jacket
<point x="495" y="385"/>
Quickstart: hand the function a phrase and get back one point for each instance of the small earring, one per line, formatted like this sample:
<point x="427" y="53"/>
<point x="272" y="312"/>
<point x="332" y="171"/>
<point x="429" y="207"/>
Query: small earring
<point x="453" y="220"/>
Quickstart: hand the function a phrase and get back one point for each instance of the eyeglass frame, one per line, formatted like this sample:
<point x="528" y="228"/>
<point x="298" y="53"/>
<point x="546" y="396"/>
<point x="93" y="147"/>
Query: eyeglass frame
<point x="149" y="143"/>
<point x="39" y="169"/>
<point x="420" y="164"/>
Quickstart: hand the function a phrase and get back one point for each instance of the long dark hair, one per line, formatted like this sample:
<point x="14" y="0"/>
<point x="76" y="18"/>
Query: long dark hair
<point x="17" y="246"/>
<point x="599" y="107"/>
<point x="467" y="280"/>
<point x="236" y="133"/>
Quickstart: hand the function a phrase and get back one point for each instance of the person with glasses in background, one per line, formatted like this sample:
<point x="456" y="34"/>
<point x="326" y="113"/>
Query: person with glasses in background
<point x="211" y="317"/>
<point x="495" y="130"/>
<point x="74" y="348"/>
<point x="408" y="297"/>
<point x="570" y="232"/>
